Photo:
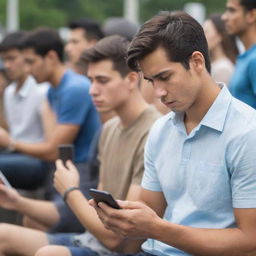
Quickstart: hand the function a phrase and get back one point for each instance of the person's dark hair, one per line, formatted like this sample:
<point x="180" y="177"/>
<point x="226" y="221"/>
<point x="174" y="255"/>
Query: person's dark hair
<point x="119" y="26"/>
<point x="112" y="48"/>
<point x="13" y="41"/>
<point x="248" y="4"/>
<point x="43" y="40"/>
<point x="228" y="42"/>
<point x="91" y="27"/>
<point x="177" y="32"/>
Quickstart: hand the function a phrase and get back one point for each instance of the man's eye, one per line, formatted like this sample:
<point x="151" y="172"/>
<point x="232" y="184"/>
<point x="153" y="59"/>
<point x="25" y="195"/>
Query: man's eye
<point x="149" y="81"/>
<point x="103" y="81"/>
<point x="164" y="78"/>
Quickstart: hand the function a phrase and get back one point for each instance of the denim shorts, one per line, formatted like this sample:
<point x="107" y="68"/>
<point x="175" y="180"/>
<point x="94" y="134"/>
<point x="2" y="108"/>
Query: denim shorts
<point x="68" y="241"/>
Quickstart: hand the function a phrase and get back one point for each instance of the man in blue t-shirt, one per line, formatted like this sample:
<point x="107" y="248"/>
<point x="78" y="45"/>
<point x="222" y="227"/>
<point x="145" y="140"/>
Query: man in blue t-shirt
<point x="240" y="20"/>
<point x="69" y="103"/>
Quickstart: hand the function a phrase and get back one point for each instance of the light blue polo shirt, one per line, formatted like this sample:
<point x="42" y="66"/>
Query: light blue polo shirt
<point x="205" y="174"/>
<point x="243" y="82"/>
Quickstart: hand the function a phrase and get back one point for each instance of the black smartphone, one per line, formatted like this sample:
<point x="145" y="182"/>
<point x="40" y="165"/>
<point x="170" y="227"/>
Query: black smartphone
<point x="105" y="197"/>
<point x="66" y="152"/>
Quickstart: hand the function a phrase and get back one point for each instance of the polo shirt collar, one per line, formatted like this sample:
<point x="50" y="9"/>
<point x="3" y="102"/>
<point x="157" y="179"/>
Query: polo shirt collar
<point x="216" y="116"/>
<point x="24" y="90"/>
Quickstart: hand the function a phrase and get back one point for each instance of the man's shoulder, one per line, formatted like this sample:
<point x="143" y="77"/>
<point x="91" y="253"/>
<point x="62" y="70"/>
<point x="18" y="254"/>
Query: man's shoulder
<point x="151" y="114"/>
<point x="163" y="121"/>
<point x="10" y="89"/>
<point x="74" y="79"/>
<point x="111" y="124"/>
<point x="241" y="119"/>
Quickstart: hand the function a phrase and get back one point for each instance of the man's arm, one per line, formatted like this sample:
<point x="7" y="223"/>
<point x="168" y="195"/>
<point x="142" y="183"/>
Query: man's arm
<point x="65" y="178"/>
<point x="55" y="134"/>
<point x="43" y="212"/>
<point x="138" y="220"/>
<point x="49" y="119"/>
<point x="48" y="150"/>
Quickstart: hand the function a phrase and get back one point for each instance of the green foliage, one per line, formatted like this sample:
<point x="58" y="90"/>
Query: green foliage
<point x="148" y="8"/>
<point x="57" y="13"/>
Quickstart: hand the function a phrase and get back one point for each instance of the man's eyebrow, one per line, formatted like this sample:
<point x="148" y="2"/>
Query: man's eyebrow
<point x="157" y="75"/>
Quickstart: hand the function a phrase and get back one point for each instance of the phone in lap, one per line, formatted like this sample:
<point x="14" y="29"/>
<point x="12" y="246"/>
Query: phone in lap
<point x="104" y="197"/>
<point x="4" y="181"/>
<point x="66" y="152"/>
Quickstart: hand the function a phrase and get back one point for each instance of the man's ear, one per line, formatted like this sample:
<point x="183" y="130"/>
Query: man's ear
<point x="251" y="16"/>
<point x="52" y="56"/>
<point x="197" y="62"/>
<point x="133" y="79"/>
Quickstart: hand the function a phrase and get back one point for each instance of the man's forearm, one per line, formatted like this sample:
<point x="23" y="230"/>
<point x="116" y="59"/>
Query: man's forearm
<point x="44" y="212"/>
<point x="205" y="242"/>
<point x="44" y="150"/>
<point x="89" y="219"/>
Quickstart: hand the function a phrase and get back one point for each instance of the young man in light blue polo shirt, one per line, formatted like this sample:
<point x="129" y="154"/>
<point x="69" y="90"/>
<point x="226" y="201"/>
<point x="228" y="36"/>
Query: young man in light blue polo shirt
<point x="198" y="193"/>
<point x="240" y="20"/>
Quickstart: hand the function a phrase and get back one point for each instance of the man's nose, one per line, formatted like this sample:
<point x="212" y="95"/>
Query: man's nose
<point x="93" y="90"/>
<point x="160" y="90"/>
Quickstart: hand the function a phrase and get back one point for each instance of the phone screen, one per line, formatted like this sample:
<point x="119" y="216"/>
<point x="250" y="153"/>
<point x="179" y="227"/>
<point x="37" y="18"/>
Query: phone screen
<point x="105" y="197"/>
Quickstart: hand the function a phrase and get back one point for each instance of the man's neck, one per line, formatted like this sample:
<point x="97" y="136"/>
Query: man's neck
<point x="131" y="109"/>
<point x="249" y="37"/>
<point x="198" y="110"/>
<point x="20" y="82"/>
<point x="57" y="75"/>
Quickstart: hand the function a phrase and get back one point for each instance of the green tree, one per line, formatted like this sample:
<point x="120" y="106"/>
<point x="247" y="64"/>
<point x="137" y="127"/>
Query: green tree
<point x="57" y="13"/>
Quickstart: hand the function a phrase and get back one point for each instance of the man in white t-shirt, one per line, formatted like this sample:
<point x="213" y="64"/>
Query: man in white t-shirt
<point x="24" y="105"/>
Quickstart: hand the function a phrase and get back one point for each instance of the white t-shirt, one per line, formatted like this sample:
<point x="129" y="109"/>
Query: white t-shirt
<point x="23" y="110"/>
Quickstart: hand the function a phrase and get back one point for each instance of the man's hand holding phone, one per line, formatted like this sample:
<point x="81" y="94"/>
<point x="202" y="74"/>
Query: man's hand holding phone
<point x="66" y="152"/>
<point x="65" y="176"/>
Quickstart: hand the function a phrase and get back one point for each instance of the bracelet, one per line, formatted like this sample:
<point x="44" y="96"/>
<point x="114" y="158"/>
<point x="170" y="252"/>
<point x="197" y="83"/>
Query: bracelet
<point x="67" y="191"/>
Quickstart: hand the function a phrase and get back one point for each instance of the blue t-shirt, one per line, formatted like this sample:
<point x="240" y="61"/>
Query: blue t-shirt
<point x="243" y="82"/>
<point x="205" y="174"/>
<point x="72" y="104"/>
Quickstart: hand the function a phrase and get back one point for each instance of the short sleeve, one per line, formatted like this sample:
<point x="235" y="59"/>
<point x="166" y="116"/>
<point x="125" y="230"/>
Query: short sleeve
<point x="243" y="171"/>
<point x="252" y="74"/>
<point x="74" y="104"/>
<point x="139" y="162"/>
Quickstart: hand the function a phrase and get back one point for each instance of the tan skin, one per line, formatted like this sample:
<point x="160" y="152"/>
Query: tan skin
<point x="47" y="68"/>
<point x="76" y="44"/>
<point x="143" y="219"/>
<point x="240" y="22"/>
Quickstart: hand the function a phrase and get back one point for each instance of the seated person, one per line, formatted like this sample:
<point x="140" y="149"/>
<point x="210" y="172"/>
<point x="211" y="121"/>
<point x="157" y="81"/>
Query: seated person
<point x="23" y="103"/>
<point x="121" y="147"/>
<point x="198" y="193"/>
<point x="68" y="97"/>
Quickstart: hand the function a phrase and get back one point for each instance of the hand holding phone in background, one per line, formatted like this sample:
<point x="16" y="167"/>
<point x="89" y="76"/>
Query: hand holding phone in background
<point x="65" y="176"/>
<point x="66" y="152"/>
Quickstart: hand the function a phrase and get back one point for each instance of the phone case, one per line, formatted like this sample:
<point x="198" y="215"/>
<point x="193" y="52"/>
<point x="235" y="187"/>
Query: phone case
<point x="105" y="197"/>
